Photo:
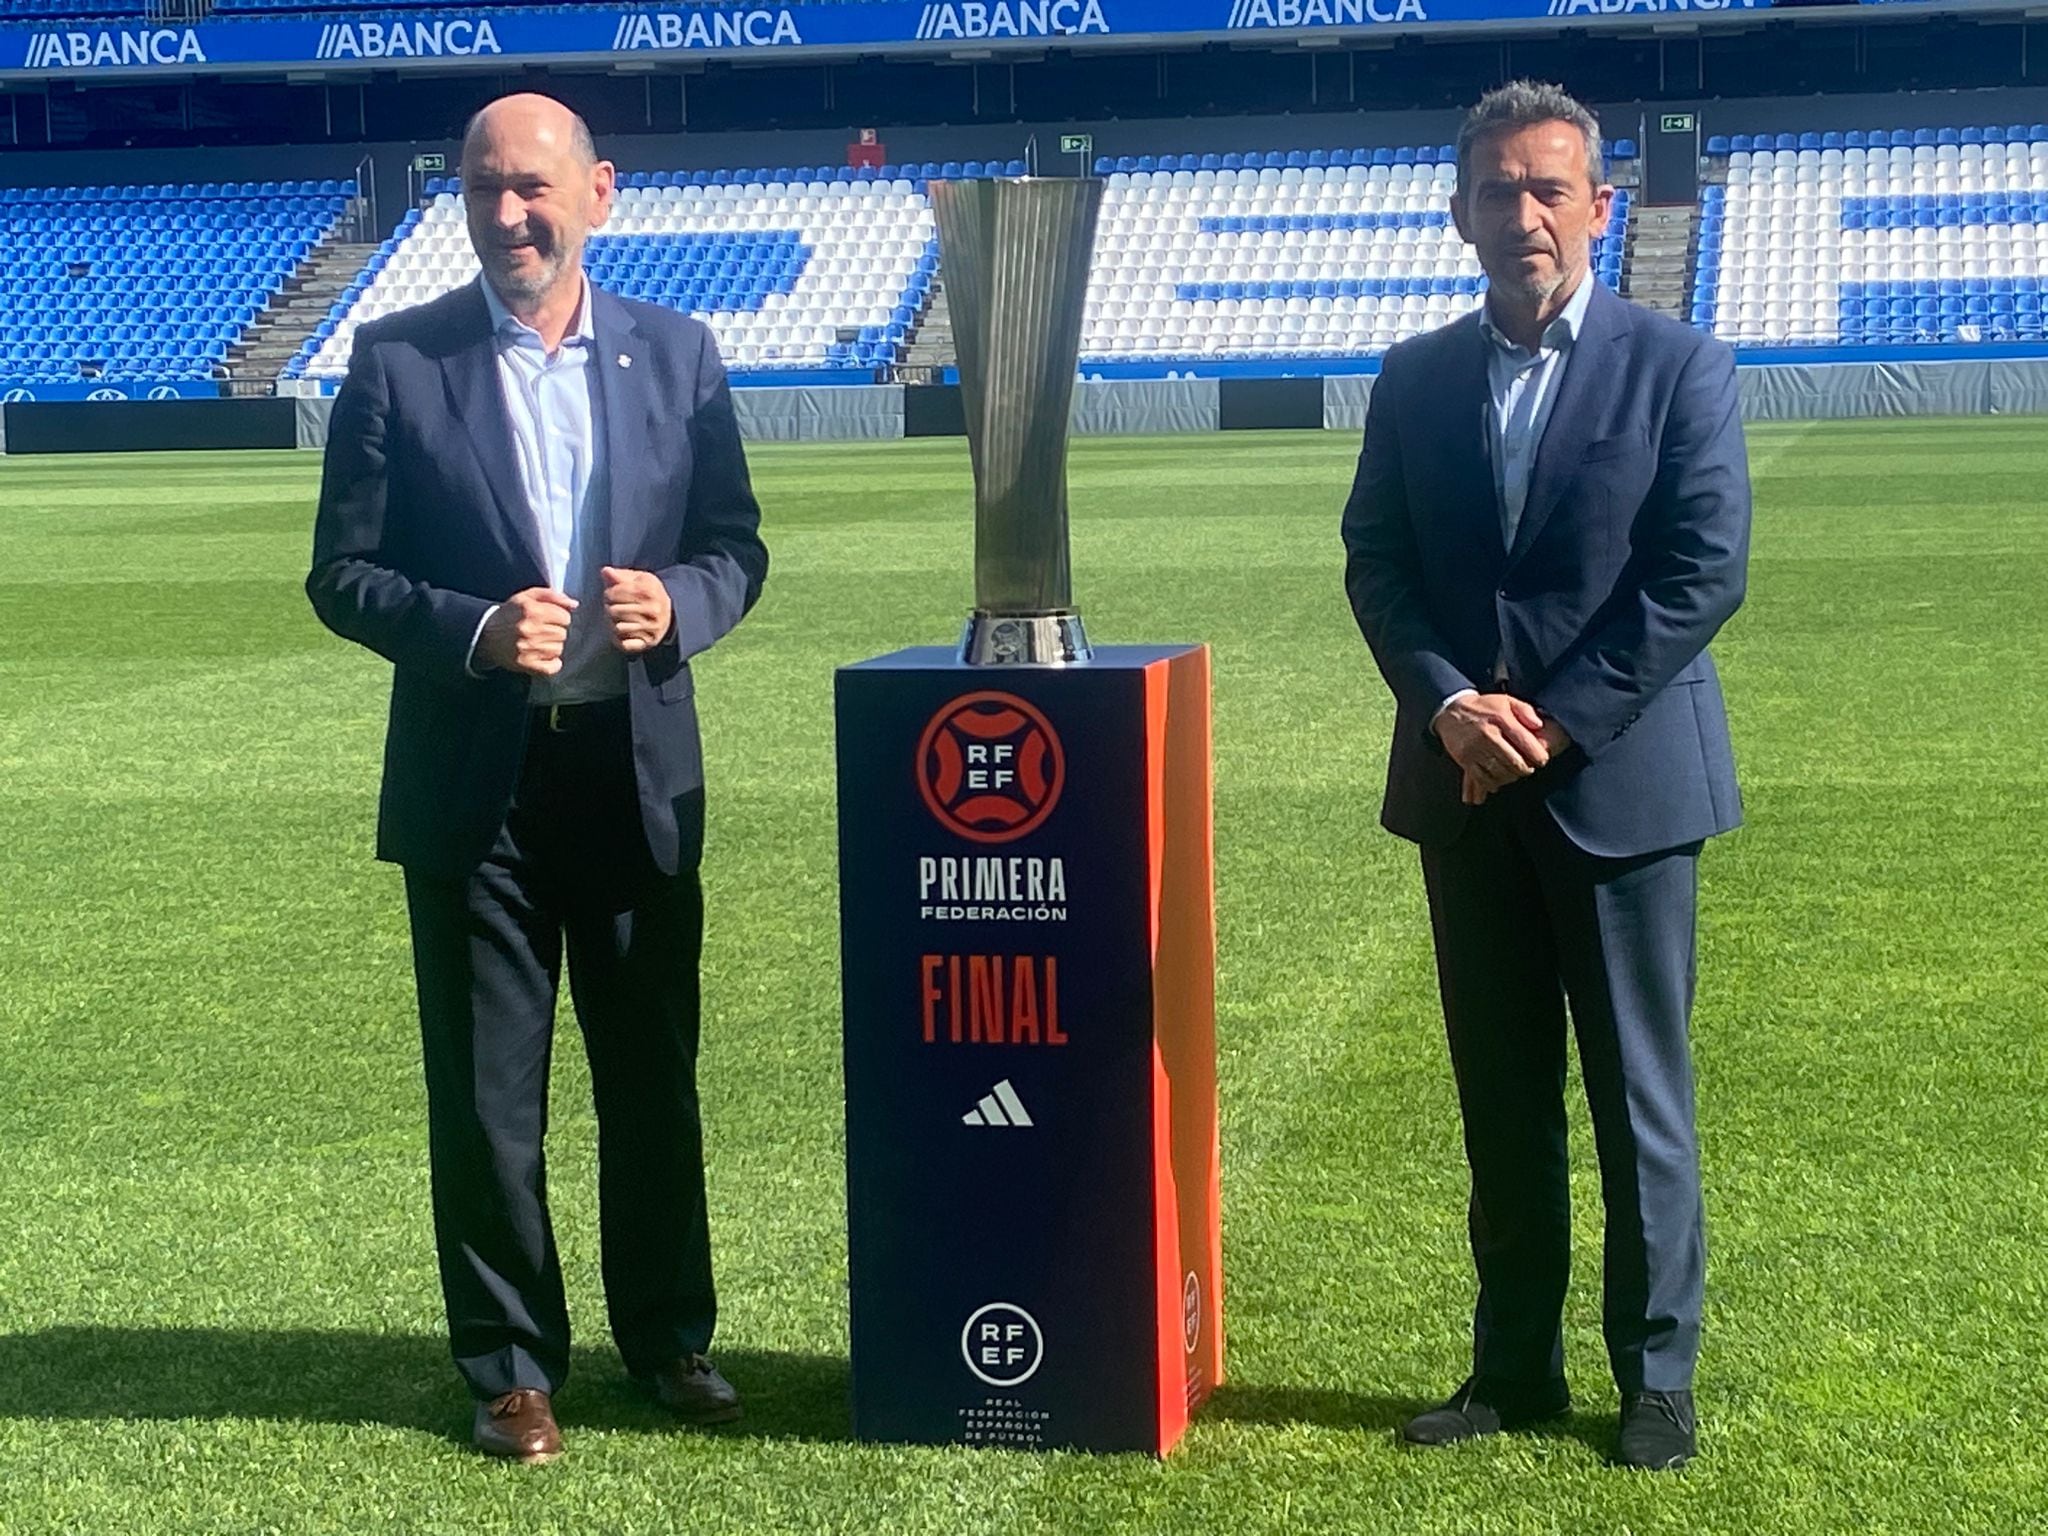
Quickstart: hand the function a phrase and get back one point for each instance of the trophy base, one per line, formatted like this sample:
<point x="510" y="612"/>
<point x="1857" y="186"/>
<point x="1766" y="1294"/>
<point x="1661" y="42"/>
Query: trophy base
<point x="1024" y="640"/>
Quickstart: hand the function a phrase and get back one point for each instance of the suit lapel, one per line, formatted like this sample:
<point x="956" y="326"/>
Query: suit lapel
<point x="471" y="376"/>
<point x="618" y="372"/>
<point x="1591" y="376"/>
<point x="1467" y="425"/>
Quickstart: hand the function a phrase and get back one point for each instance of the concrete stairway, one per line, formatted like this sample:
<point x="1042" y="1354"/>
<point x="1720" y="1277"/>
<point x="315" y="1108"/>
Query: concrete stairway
<point x="1656" y="267"/>
<point x="930" y="343"/>
<point x="307" y="296"/>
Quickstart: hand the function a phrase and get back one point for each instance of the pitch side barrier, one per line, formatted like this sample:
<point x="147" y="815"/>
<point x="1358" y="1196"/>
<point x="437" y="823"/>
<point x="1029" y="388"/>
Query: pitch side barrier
<point x="1813" y="384"/>
<point x="48" y="48"/>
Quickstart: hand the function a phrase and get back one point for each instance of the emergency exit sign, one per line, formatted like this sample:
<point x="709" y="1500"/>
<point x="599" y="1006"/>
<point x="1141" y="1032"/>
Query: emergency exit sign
<point x="1077" y="144"/>
<point x="1677" y="122"/>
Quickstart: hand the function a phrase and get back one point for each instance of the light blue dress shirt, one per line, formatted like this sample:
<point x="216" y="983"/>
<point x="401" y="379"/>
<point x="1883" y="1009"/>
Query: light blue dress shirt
<point x="552" y="408"/>
<point x="1524" y="386"/>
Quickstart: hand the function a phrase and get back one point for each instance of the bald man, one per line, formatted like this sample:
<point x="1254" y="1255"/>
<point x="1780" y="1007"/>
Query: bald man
<point x="536" y="507"/>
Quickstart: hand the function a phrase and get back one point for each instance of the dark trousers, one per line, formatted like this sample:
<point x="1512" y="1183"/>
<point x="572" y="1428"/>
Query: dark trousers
<point x="1524" y="921"/>
<point x="570" y="864"/>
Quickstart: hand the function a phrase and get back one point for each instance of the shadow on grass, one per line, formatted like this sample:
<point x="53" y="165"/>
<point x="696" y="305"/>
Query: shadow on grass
<point x="1244" y="1403"/>
<point x="406" y="1381"/>
<point x="1598" y="1432"/>
<point x="1239" y="1403"/>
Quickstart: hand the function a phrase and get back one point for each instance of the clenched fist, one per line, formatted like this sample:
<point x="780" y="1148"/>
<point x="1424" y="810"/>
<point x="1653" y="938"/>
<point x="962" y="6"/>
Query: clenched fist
<point x="638" y="609"/>
<point x="527" y="633"/>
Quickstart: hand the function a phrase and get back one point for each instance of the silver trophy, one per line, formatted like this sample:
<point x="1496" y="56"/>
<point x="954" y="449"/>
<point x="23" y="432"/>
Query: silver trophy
<point x="1016" y="255"/>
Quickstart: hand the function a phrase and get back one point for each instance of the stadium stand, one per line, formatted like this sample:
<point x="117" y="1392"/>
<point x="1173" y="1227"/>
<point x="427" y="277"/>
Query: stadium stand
<point x="1296" y="255"/>
<point x="147" y="283"/>
<point x="794" y="268"/>
<point x="1874" y="238"/>
<point x="72" y="10"/>
<point x="1240" y="258"/>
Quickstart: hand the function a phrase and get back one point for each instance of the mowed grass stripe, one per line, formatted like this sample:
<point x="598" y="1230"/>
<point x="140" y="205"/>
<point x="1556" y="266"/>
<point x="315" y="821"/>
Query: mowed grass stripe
<point x="217" y="1303"/>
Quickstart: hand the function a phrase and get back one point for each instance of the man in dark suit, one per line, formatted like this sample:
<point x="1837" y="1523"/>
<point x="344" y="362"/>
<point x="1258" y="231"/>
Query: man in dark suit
<point x="1550" y="522"/>
<point x="537" y="508"/>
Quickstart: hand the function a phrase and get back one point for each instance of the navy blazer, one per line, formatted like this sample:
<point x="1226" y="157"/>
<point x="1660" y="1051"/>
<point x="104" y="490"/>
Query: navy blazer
<point x="423" y="525"/>
<point x="1631" y="554"/>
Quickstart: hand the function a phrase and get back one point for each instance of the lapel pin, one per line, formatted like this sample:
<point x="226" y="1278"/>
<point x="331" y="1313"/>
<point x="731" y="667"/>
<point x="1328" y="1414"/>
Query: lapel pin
<point x="625" y="361"/>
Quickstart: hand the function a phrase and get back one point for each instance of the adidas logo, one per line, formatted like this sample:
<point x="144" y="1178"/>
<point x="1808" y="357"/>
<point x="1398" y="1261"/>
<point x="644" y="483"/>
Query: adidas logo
<point x="1000" y="1106"/>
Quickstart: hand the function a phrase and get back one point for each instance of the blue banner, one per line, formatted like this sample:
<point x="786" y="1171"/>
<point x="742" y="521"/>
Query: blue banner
<point x="48" y="48"/>
<point x="43" y="394"/>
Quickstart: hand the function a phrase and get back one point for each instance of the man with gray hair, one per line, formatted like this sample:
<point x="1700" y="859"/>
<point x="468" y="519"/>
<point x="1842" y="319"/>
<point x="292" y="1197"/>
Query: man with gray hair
<point x="1549" y="523"/>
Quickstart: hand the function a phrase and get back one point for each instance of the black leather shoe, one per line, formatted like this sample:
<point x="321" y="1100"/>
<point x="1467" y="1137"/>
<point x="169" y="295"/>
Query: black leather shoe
<point x="692" y="1390"/>
<point x="1658" y="1431"/>
<point x="1486" y="1408"/>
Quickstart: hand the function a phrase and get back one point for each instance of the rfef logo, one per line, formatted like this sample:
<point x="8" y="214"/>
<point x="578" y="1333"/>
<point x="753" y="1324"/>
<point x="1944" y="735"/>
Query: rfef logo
<point x="1003" y="1345"/>
<point x="990" y="767"/>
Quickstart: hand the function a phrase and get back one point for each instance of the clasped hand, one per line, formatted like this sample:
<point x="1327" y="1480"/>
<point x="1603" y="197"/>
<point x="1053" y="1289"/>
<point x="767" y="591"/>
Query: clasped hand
<point x="1497" y="739"/>
<point x="530" y="629"/>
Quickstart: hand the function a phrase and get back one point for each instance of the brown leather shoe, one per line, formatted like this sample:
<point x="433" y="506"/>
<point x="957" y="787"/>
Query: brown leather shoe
<point x="692" y="1390"/>
<point x="520" y="1426"/>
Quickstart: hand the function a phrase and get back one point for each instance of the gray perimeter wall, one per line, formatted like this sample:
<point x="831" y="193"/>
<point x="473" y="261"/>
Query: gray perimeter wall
<point x="1146" y="407"/>
<point x="1826" y="391"/>
<point x="841" y="413"/>
<point x="1149" y="407"/>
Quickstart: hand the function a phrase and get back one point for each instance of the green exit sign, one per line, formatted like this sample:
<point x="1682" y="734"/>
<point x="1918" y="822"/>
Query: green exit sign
<point x="1077" y="144"/>
<point x="430" y="162"/>
<point x="1678" y="122"/>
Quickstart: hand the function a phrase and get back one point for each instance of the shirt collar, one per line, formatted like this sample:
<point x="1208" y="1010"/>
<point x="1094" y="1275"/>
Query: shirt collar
<point x="508" y="327"/>
<point x="1561" y="332"/>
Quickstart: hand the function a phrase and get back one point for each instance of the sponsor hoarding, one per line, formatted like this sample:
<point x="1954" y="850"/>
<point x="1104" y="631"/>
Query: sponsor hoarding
<point x="453" y="37"/>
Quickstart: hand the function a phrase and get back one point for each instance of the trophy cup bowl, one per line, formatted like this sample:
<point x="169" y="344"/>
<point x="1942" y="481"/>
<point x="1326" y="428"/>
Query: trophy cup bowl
<point x="1015" y="257"/>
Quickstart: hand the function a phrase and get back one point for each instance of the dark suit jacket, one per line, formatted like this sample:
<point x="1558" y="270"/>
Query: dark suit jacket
<point x="1630" y="554"/>
<point x="423" y="525"/>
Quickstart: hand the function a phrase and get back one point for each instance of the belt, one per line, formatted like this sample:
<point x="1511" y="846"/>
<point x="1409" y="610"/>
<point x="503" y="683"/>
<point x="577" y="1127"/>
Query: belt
<point x="567" y="719"/>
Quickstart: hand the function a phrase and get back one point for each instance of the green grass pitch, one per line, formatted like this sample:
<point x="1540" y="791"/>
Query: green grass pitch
<point x="218" y="1310"/>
